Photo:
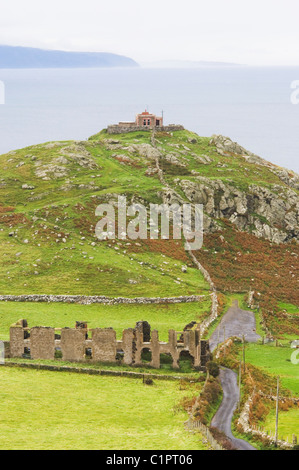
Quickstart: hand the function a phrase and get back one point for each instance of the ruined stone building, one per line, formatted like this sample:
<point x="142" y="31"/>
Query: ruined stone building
<point x="100" y="345"/>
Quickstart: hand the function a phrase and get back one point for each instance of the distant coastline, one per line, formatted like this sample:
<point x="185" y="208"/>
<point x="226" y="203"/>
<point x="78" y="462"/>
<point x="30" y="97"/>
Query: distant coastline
<point x="29" y="57"/>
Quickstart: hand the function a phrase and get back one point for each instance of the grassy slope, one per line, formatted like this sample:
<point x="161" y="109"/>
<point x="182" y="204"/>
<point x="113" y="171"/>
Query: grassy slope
<point x="161" y="317"/>
<point x="276" y="361"/>
<point x="67" y="411"/>
<point x="63" y="208"/>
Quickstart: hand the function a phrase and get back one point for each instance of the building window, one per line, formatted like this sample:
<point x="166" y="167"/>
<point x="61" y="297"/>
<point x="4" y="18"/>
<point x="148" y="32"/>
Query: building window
<point x="148" y="122"/>
<point x="144" y="122"/>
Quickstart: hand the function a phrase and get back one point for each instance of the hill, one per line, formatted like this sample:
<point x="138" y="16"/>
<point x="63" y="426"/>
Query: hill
<point x="49" y="193"/>
<point x="28" y="57"/>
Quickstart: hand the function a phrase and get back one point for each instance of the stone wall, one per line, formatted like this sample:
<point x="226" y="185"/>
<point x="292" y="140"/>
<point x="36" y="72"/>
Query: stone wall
<point x="123" y="129"/>
<point x="73" y="344"/>
<point x="104" y="345"/>
<point x="42" y="343"/>
<point x="77" y="345"/>
<point x="99" y="299"/>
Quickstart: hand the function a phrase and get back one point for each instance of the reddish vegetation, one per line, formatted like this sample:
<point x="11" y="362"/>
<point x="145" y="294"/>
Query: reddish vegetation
<point x="12" y="220"/>
<point x="171" y="248"/>
<point x="6" y="209"/>
<point x="238" y="261"/>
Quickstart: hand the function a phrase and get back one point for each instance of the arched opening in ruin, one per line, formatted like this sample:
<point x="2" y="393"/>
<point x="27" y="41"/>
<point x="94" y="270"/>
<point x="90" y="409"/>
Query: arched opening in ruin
<point x="120" y="356"/>
<point x="166" y="361"/>
<point x="27" y="353"/>
<point x="146" y="355"/>
<point x="88" y="353"/>
<point x="58" y="353"/>
<point x="186" y="361"/>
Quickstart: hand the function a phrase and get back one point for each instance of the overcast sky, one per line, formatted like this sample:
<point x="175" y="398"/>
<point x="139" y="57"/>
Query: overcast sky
<point x="258" y="32"/>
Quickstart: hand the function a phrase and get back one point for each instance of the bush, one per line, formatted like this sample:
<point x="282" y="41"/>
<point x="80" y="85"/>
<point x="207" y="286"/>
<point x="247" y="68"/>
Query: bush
<point x="149" y="381"/>
<point x="213" y="369"/>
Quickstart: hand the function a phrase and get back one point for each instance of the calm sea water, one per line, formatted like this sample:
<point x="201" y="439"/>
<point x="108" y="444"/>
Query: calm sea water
<point x="250" y="105"/>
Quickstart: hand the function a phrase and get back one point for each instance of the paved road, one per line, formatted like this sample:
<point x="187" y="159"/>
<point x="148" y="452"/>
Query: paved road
<point x="223" y="418"/>
<point x="236" y="322"/>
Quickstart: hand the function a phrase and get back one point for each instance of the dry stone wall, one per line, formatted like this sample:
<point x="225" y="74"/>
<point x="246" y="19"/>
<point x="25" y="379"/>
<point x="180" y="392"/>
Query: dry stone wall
<point x="97" y="299"/>
<point x="119" y="129"/>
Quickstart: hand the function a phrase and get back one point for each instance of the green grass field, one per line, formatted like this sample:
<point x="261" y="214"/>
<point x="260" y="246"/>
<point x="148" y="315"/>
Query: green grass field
<point x="162" y="317"/>
<point x="287" y="424"/>
<point x="48" y="410"/>
<point x="275" y="361"/>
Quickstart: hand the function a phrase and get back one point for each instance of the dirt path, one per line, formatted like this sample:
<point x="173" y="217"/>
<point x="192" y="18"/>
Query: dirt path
<point x="236" y="322"/>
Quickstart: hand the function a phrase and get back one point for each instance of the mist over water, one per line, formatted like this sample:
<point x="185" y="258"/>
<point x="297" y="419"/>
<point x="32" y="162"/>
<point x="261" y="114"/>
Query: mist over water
<point x="250" y="105"/>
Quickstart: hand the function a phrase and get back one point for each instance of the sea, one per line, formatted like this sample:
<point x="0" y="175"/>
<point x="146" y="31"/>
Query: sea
<point x="254" y="106"/>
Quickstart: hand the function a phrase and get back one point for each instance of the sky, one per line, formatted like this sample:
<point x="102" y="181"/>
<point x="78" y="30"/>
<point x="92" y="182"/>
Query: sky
<point x="255" y="32"/>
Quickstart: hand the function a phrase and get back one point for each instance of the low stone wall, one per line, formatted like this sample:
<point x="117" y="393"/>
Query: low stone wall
<point x="243" y="422"/>
<point x="90" y="371"/>
<point x="118" y="129"/>
<point x="86" y="300"/>
<point x="214" y="310"/>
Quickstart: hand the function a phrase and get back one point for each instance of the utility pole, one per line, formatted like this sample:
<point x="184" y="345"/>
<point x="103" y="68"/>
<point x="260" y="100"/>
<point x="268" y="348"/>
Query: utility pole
<point x="240" y="381"/>
<point x="277" y="410"/>
<point x="244" y="361"/>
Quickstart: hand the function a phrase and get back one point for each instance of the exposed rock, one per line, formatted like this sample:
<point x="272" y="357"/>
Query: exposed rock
<point x="175" y="159"/>
<point x="261" y="211"/>
<point x="78" y="153"/>
<point x="144" y="150"/>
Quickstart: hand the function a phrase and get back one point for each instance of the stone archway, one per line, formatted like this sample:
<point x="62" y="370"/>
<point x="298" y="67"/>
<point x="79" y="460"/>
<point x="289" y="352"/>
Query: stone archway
<point x="186" y="360"/>
<point x="146" y="356"/>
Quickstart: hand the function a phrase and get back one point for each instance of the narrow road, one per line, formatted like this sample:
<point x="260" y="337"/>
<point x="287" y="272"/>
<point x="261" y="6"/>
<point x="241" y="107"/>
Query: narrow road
<point x="223" y="418"/>
<point x="236" y="322"/>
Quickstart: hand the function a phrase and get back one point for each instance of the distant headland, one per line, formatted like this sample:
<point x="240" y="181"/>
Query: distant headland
<point x="28" y="57"/>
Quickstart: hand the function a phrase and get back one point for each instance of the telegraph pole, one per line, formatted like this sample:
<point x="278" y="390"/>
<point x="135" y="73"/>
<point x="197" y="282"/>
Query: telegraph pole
<point x="240" y="381"/>
<point x="277" y="411"/>
<point x="244" y="361"/>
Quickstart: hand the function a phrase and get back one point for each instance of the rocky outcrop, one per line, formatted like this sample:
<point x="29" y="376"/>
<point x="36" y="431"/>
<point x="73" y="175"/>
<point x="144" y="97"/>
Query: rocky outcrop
<point x="271" y="214"/>
<point x="225" y="146"/>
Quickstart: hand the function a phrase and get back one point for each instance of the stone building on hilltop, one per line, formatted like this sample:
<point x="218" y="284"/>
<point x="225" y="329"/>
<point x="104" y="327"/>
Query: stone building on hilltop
<point x="144" y="121"/>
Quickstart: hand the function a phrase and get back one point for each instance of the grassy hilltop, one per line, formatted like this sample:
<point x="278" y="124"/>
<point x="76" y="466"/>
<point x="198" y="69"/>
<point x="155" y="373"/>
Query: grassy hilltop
<point x="48" y="196"/>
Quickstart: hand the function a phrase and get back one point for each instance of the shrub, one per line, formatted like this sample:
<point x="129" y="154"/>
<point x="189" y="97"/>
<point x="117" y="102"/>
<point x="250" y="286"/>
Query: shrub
<point x="213" y="369"/>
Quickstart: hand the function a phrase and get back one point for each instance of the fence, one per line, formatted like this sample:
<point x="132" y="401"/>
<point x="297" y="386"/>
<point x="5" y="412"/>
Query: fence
<point x="197" y="425"/>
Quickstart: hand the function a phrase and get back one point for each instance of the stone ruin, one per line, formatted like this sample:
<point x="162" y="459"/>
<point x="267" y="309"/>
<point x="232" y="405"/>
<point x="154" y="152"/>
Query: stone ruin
<point x="100" y="345"/>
